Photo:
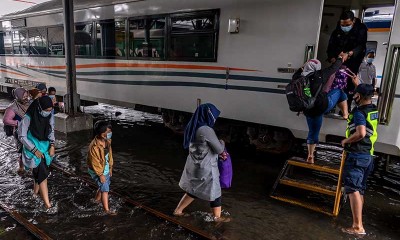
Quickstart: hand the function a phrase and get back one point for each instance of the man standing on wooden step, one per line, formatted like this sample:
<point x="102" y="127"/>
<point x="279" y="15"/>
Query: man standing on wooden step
<point x="361" y="135"/>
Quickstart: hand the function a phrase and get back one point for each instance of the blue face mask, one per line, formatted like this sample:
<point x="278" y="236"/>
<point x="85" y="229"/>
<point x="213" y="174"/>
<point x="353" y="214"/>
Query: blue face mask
<point x="45" y="113"/>
<point x="370" y="60"/>
<point x="109" y="135"/>
<point x="346" y="29"/>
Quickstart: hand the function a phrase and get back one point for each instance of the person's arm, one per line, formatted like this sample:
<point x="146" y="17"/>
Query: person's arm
<point x="327" y="72"/>
<point x="8" y="118"/>
<point x="95" y="162"/>
<point x="213" y="141"/>
<point x="23" y="134"/>
<point x="360" y="123"/>
<point x="357" y="136"/>
<point x="51" y="136"/>
<point x="110" y="158"/>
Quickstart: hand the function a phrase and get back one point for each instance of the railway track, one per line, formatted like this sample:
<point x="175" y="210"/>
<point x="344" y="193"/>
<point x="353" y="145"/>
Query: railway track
<point x="40" y="234"/>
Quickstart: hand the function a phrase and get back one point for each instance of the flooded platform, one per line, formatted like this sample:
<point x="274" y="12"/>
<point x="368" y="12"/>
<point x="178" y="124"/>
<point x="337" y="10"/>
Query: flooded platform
<point x="149" y="160"/>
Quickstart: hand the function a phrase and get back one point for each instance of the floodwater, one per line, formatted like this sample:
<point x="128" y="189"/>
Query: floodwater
<point x="148" y="164"/>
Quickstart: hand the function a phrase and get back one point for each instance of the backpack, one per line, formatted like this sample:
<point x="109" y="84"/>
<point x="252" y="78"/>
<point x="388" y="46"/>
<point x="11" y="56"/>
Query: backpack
<point x="298" y="94"/>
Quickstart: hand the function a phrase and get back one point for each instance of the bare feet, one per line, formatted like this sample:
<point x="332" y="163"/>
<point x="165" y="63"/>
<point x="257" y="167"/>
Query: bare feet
<point x="222" y="219"/>
<point x="111" y="212"/>
<point x="354" y="231"/>
<point x="180" y="214"/>
<point x="310" y="159"/>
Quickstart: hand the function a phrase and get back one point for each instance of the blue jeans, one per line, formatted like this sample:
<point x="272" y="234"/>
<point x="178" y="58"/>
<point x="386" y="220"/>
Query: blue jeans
<point x="314" y="123"/>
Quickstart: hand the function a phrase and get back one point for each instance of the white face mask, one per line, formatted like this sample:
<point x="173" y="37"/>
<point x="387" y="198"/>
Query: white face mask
<point x="45" y="113"/>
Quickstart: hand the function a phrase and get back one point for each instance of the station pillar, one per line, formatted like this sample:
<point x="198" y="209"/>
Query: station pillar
<point x="72" y="120"/>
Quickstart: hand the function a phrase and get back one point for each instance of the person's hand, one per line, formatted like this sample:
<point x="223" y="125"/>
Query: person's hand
<point x="39" y="154"/>
<point x="102" y="179"/>
<point x="332" y="60"/>
<point x="52" y="151"/>
<point x="344" y="56"/>
<point x="344" y="142"/>
<point x="110" y="172"/>
<point x="223" y="155"/>
<point x="355" y="79"/>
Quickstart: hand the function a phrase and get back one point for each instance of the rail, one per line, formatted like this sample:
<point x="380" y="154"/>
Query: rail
<point x="41" y="235"/>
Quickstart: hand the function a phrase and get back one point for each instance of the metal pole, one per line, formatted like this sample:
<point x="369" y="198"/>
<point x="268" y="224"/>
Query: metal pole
<point x="72" y="99"/>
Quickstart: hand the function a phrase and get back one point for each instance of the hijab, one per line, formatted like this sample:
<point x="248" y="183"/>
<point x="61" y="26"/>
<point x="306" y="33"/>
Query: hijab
<point x="17" y="105"/>
<point x="40" y="126"/>
<point x="311" y="66"/>
<point x="205" y="115"/>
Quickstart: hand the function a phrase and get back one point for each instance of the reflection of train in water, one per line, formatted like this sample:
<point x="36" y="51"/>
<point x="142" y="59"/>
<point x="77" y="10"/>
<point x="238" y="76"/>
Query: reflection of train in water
<point x="170" y="55"/>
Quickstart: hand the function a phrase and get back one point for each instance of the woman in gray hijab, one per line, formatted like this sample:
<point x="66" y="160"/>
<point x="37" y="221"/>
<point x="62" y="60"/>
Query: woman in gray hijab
<point x="200" y="177"/>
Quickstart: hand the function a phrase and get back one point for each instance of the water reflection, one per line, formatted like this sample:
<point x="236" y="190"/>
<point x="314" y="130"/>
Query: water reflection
<point x="148" y="164"/>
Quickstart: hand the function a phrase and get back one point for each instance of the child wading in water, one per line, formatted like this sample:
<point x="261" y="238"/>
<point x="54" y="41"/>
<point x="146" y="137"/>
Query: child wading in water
<point x="100" y="162"/>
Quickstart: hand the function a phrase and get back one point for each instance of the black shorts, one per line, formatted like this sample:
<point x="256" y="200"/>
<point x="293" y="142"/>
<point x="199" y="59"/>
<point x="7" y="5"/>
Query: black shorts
<point x="216" y="203"/>
<point x="41" y="172"/>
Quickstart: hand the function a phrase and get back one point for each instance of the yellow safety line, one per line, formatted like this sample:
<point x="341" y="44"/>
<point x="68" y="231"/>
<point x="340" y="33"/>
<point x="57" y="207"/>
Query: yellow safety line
<point x="339" y="186"/>
<point x="307" y="187"/>
<point x="314" y="167"/>
<point x="298" y="203"/>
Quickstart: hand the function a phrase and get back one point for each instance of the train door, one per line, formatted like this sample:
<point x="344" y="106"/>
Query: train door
<point x="377" y="15"/>
<point x="390" y="89"/>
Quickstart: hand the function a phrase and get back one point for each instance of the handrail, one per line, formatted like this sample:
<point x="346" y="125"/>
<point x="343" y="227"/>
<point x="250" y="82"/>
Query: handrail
<point x="389" y="85"/>
<point x="309" y="52"/>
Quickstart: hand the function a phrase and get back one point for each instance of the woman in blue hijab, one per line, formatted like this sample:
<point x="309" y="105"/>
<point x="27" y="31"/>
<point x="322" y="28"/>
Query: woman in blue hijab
<point x="200" y="177"/>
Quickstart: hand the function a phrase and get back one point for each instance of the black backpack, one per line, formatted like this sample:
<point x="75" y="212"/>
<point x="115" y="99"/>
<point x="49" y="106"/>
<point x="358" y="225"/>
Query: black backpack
<point x="298" y="94"/>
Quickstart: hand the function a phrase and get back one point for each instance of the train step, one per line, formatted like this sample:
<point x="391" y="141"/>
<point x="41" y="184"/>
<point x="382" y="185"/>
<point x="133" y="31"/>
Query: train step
<point x="324" y="177"/>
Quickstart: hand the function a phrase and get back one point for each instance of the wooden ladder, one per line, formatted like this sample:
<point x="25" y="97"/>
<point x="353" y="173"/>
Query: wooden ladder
<point x="299" y="183"/>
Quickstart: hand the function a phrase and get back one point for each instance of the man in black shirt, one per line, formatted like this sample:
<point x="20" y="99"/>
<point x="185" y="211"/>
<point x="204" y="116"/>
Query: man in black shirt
<point x="349" y="36"/>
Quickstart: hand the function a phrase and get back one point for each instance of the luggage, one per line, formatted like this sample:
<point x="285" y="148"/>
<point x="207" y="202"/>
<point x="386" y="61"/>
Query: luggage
<point x="298" y="94"/>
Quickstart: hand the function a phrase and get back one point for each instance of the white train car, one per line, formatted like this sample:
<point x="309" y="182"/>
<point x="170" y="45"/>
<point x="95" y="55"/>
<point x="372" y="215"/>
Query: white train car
<point x="237" y="54"/>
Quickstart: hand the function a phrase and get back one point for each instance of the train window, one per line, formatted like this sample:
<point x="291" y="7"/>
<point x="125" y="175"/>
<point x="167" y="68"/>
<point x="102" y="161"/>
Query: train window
<point x="193" y="23"/>
<point x="84" y="40"/>
<point x="56" y="41"/>
<point x="194" y="37"/>
<point x="38" y="41"/>
<point x="110" y="38"/>
<point x="20" y="43"/>
<point x="6" y="43"/>
<point x="146" y="38"/>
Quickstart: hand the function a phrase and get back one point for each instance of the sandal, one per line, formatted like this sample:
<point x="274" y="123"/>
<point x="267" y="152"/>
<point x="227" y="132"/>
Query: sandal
<point x="111" y="213"/>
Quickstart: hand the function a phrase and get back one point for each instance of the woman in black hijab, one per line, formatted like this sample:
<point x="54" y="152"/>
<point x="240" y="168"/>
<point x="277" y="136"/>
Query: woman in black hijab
<point x="37" y="136"/>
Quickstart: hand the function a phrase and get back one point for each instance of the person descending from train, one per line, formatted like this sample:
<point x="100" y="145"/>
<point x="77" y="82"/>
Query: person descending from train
<point x="325" y="101"/>
<point x="361" y="135"/>
<point x="200" y="177"/>
<point x="100" y="163"/>
<point x="349" y="36"/>
<point x="13" y="116"/>
<point x="36" y="132"/>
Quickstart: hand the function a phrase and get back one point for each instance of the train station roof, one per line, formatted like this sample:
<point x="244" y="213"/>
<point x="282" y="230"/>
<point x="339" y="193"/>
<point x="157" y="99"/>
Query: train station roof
<point x="56" y="6"/>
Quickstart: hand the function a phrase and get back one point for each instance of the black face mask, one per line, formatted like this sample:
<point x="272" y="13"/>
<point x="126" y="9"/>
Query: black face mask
<point x="357" y="100"/>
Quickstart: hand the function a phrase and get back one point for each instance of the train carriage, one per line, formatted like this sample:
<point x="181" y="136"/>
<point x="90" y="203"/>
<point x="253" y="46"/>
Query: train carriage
<point x="237" y="54"/>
